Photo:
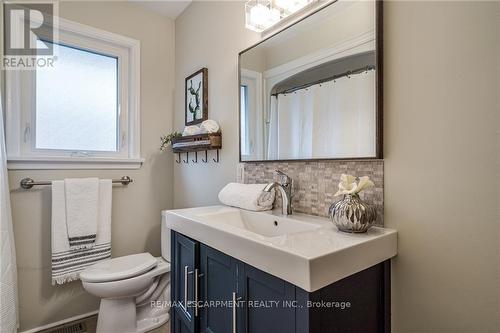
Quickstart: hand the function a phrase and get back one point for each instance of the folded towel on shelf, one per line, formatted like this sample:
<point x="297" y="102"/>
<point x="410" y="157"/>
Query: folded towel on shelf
<point x="247" y="196"/>
<point x="82" y="198"/>
<point x="209" y="126"/>
<point x="67" y="263"/>
<point x="190" y="143"/>
<point x="191" y="130"/>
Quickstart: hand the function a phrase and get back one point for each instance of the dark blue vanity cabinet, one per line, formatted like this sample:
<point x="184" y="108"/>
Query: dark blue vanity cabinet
<point x="269" y="303"/>
<point x="221" y="291"/>
<point x="225" y="295"/>
<point x="184" y="265"/>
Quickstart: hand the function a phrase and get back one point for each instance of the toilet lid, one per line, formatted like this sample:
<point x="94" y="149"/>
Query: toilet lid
<point x="119" y="268"/>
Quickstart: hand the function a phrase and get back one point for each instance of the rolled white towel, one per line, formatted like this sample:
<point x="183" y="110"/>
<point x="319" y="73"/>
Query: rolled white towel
<point x="247" y="196"/>
<point x="209" y="126"/>
<point x="191" y="130"/>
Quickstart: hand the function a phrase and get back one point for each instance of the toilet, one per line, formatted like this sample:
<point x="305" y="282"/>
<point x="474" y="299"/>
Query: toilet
<point x="134" y="290"/>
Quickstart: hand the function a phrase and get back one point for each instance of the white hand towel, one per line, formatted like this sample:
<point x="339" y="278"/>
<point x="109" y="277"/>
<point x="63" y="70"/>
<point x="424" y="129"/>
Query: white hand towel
<point x="209" y="126"/>
<point x="247" y="196"/>
<point x="82" y="202"/>
<point x="191" y="130"/>
<point x="68" y="263"/>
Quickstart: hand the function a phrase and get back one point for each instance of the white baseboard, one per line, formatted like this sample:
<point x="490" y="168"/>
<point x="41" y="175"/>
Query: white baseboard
<point x="61" y="322"/>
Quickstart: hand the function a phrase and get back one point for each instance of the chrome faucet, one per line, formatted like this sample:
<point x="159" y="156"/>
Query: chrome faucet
<point x="284" y="185"/>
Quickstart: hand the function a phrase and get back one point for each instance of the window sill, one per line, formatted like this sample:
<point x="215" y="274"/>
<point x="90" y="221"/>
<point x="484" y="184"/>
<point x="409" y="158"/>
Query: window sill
<point x="58" y="163"/>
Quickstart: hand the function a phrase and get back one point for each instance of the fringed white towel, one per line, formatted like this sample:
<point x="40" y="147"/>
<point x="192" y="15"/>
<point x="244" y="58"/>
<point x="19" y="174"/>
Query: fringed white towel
<point x="82" y="204"/>
<point x="67" y="263"/>
<point x="247" y="196"/>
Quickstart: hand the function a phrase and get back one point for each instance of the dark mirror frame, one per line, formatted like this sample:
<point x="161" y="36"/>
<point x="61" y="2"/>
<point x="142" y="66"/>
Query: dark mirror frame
<point x="379" y="89"/>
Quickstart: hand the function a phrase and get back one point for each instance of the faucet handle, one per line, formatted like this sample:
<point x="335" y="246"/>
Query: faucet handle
<point x="284" y="179"/>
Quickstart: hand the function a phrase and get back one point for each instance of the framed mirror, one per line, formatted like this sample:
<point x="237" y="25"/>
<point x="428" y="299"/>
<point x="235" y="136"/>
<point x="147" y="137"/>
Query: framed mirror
<point x="313" y="91"/>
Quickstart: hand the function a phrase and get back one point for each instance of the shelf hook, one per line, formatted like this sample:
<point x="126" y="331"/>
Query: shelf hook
<point x="217" y="160"/>
<point x="206" y="157"/>
<point x="178" y="160"/>
<point x="187" y="158"/>
<point x="195" y="157"/>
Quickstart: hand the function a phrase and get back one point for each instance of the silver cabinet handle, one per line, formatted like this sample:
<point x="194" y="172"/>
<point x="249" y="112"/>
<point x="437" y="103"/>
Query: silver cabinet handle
<point x="235" y="300"/>
<point x="234" y="312"/>
<point x="186" y="287"/>
<point x="186" y="274"/>
<point x="196" y="277"/>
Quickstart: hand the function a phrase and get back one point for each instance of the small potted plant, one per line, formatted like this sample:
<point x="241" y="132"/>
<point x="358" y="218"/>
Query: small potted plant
<point x="166" y="140"/>
<point x="351" y="214"/>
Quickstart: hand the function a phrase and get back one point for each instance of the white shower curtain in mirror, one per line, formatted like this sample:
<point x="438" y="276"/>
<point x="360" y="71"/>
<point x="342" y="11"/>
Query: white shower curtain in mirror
<point x="8" y="269"/>
<point x="334" y="119"/>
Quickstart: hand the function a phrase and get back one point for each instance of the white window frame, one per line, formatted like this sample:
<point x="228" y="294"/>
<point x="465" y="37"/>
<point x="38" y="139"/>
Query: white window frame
<point x="253" y="81"/>
<point x="21" y="101"/>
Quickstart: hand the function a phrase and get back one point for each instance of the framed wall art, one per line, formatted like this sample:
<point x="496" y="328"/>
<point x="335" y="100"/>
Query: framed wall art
<point x="196" y="97"/>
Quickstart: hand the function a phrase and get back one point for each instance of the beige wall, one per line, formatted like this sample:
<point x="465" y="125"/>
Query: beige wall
<point x="441" y="166"/>
<point x="210" y="34"/>
<point x="442" y="157"/>
<point x="136" y="208"/>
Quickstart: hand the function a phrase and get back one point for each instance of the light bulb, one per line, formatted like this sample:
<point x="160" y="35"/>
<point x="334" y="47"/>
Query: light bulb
<point x="259" y="15"/>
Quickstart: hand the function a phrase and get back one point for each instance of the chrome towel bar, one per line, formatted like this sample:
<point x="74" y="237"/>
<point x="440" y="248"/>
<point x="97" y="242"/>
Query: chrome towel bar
<point x="27" y="183"/>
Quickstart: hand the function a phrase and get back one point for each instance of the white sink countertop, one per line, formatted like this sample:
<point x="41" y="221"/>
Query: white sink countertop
<point x="307" y="251"/>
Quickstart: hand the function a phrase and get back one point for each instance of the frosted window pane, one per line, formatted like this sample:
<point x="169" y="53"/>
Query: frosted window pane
<point x="77" y="102"/>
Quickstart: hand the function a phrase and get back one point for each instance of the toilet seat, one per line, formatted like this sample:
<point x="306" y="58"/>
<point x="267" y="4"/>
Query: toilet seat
<point x="134" y="290"/>
<point x="120" y="268"/>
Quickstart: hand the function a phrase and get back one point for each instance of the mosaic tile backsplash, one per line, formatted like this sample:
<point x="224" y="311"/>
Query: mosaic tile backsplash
<point x="315" y="183"/>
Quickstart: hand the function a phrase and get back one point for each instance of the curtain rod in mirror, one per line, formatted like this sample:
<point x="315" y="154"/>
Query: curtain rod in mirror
<point x="328" y="79"/>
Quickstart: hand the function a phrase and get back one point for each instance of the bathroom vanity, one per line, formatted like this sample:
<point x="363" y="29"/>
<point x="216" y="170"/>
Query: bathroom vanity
<point x="241" y="271"/>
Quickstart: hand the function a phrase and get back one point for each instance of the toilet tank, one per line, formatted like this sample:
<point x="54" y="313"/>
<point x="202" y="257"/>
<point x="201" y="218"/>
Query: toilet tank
<point x="165" y="238"/>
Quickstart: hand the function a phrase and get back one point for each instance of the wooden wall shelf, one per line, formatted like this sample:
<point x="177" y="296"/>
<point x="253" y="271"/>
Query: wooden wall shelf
<point x="197" y="143"/>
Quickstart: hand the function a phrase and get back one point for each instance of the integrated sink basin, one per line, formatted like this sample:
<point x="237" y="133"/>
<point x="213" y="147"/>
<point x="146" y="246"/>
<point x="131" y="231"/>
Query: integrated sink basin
<point x="266" y="225"/>
<point x="307" y="251"/>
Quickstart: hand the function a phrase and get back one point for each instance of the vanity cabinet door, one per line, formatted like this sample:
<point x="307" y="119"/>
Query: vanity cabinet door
<point x="179" y="325"/>
<point x="185" y="254"/>
<point x="219" y="288"/>
<point x="269" y="305"/>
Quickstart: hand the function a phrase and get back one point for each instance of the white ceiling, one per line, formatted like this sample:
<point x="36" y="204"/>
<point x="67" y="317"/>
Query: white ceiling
<point x="167" y="8"/>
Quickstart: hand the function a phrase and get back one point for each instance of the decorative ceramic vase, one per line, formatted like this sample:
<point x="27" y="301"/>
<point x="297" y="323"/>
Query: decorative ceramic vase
<point x="351" y="214"/>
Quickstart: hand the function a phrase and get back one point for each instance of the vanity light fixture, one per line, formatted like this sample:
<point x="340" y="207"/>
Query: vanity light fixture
<point x="263" y="14"/>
